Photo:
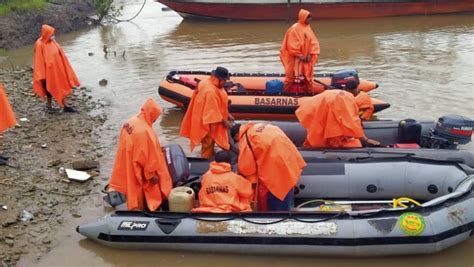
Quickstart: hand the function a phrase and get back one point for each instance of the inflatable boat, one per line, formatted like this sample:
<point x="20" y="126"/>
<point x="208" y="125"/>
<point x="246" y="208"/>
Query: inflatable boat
<point x="447" y="132"/>
<point x="248" y="94"/>
<point x="351" y="202"/>
<point x="369" y="202"/>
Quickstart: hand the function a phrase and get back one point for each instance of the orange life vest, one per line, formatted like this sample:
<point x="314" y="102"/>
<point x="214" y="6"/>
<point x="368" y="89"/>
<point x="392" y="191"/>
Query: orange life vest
<point x="366" y="108"/>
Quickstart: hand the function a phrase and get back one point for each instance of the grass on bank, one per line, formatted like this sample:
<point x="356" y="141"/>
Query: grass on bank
<point x="7" y="6"/>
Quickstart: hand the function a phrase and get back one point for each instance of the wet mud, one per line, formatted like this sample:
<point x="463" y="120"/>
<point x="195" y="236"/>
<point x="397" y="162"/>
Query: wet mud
<point x="35" y="197"/>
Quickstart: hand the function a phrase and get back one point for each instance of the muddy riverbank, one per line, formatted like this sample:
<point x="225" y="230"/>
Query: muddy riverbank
<point x="423" y="64"/>
<point x="31" y="185"/>
<point x="22" y="28"/>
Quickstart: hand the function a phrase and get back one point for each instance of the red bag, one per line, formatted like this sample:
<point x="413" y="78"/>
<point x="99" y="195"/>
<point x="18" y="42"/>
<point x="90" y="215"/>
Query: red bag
<point x="298" y="86"/>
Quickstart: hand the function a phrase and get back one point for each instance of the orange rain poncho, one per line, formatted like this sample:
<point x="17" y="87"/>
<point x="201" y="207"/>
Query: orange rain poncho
<point x="275" y="161"/>
<point x="139" y="158"/>
<point x="52" y="65"/>
<point x="300" y="40"/>
<point x="366" y="108"/>
<point x="7" y="117"/>
<point x="331" y="120"/>
<point x="207" y="109"/>
<point x="224" y="191"/>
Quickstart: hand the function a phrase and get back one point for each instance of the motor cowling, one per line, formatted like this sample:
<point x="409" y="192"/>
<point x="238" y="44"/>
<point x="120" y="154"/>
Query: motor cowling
<point x="339" y="79"/>
<point x="449" y="132"/>
<point x="177" y="163"/>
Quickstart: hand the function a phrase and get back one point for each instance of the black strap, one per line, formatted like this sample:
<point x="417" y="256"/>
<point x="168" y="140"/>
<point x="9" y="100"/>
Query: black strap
<point x="256" y="168"/>
<point x="251" y="149"/>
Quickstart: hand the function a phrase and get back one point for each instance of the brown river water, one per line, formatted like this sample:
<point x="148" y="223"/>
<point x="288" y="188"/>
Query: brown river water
<point x="424" y="65"/>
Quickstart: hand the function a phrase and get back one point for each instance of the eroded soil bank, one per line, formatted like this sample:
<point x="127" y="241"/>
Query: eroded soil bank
<point x="22" y="28"/>
<point x="31" y="185"/>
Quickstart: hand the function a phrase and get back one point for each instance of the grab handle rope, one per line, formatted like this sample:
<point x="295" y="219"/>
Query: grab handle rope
<point x="314" y="201"/>
<point x="398" y="202"/>
<point x="323" y="205"/>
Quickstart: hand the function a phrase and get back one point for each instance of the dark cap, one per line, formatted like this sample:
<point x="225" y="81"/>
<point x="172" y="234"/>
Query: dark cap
<point x="234" y="129"/>
<point x="221" y="73"/>
<point x="222" y="156"/>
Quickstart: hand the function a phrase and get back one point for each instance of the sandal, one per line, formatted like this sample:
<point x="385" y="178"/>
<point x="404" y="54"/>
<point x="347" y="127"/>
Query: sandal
<point x="51" y="110"/>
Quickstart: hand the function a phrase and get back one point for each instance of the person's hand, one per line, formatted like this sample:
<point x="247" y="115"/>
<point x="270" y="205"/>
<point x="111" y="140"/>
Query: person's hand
<point x="372" y="142"/>
<point x="227" y="124"/>
<point x="303" y="58"/>
<point x="231" y="118"/>
<point x="367" y="141"/>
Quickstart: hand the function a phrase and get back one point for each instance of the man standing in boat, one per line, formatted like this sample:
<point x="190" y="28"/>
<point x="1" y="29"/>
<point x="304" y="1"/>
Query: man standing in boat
<point x="140" y="170"/>
<point x="331" y="120"/>
<point x="207" y="118"/>
<point x="269" y="159"/>
<point x="53" y="76"/>
<point x="299" y="53"/>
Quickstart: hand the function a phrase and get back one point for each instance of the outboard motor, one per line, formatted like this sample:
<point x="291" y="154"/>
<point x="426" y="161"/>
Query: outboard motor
<point x="177" y="163"/>
<point x="449" y="132"/>
<point x="340" y="78"/>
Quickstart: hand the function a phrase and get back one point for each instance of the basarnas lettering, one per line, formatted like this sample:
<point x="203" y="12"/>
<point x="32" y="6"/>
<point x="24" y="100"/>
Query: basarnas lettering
<point x="276" y="101"/>
<point x="217" y="188"/>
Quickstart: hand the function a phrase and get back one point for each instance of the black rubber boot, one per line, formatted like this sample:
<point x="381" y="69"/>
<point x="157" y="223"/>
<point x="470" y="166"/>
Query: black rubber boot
<point x="68" y="109"/>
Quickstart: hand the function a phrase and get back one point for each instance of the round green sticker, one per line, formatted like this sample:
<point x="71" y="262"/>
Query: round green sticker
<point x="412" y="223"/>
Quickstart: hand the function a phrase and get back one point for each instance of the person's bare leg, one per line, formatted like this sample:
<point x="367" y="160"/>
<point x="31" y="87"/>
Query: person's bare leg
<point x="49" y="102"/>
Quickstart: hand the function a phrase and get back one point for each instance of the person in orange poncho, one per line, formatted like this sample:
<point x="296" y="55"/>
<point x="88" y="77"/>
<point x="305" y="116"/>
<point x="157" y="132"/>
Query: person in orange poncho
<point x="53" y="76"/>
<point x="207" y="118"/>
<point x="223" y="190"/>
<point x="363" y="100"/>
<point x="331" y="121"/>
<point x="300" y="52"/>
<point x="140" y="170"/>
<point x="7" y="118"/>
<point x="269" y="159"/>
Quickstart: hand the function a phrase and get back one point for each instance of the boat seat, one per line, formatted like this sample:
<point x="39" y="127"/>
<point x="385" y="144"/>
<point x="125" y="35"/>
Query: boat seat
<point x="232" y="87"/>
<point x="409" y="132"/>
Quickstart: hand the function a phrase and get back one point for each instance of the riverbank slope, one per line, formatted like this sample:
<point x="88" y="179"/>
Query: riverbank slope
<point x="20" y="28"/>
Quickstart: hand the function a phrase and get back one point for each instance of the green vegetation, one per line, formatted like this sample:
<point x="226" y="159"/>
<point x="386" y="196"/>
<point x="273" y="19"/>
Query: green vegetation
<point x="6" y="6"/>
<point x="106" y="10"/>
